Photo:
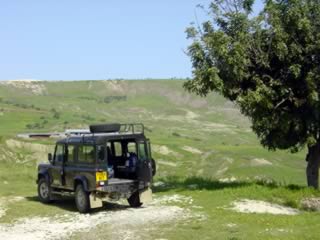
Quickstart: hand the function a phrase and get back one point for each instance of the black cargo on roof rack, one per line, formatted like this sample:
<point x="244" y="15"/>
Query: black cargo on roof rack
<point x="105" y="128"/>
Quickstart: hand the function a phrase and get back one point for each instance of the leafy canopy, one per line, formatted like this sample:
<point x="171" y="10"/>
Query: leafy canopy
<point x="269" y="65"/>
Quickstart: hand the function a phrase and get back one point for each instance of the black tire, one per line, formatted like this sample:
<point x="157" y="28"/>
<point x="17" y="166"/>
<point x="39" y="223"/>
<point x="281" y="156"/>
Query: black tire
<point x="154" y="167"/>
<point x="134" y="200"/>
<point x="44" y="191"/>
<point x="82" y="199"/>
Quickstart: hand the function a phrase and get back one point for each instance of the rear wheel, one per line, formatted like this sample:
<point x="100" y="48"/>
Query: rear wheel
<point x="44" y="191"/>
<point x="134" y="200"/>
<point x="82" y="199"/>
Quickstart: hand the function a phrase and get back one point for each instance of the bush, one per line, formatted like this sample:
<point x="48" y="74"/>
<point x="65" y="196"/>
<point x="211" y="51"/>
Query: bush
<point x="56" y="115"/>
<point x="110" y="99"/>
<point x="88" y="118"/>
<point x="35" y="126"/>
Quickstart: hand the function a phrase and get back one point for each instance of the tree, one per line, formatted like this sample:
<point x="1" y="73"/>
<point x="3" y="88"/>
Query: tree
<point x="269" y="65"/>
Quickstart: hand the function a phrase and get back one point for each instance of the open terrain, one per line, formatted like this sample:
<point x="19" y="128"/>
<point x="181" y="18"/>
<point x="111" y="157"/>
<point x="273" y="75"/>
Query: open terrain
<point x="214" y="180"/>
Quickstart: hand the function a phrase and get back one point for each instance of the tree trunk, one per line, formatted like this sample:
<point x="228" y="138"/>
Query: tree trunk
<point x="313" y="159"/>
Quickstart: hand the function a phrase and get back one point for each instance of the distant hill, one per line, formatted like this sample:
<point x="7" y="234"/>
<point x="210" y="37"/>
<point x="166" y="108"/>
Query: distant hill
<point x="190" y="135"/>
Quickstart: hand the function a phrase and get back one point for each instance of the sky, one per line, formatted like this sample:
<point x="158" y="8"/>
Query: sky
<point x="97" y="39"/>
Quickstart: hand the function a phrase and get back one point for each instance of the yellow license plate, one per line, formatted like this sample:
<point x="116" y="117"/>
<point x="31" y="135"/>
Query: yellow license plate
<point x="101" y="176"/>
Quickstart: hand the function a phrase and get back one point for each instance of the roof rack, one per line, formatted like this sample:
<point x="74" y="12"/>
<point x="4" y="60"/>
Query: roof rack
<point x="69" y="132"/>
<point x="134" y="128"/>
<point x="126" y="128"/>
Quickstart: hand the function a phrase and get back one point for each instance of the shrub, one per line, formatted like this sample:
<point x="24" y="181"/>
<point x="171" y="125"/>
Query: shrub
<point x="109" y="99"/>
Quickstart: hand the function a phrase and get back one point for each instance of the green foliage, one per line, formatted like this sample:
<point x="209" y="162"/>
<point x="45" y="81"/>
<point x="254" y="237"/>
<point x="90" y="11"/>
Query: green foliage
<point x="88" y="118"/>
<point x="268" y="65"/>
<point x="35" y="125"/>
<point x="55" y="113"/>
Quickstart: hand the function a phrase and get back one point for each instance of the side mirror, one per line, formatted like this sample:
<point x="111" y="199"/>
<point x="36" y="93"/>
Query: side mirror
<point x="50" y="157"/>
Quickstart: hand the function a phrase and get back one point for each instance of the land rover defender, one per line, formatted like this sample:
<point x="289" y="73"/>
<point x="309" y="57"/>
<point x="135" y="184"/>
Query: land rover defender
<point x="113" y="161"/>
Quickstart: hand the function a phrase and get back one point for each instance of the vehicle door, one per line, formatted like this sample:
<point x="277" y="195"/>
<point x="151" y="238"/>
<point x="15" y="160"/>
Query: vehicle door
<point x="144" y="162"/>
<point x="70" y="166"/>
<point x="86" y="166"/>
<point x="57" y="171"/>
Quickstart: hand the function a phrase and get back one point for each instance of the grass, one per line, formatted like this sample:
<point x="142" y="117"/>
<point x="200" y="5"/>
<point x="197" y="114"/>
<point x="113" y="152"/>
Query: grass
<point x="216" y="128"/>
<point x="215" y="198"/>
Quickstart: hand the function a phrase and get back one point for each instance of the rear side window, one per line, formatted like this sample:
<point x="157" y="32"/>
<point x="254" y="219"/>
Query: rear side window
<point x="71" y="153"/>
<point x="86" y="154"/>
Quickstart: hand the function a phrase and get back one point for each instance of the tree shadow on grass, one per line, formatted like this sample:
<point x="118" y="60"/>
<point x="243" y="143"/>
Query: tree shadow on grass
<point x="195" y="183"/>
<point x="200" y="183"/>
<point x="68" y="204"/>
<point x="65" y="203"/>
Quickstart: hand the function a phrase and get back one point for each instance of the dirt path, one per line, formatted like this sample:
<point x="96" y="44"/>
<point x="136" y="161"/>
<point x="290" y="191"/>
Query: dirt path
<point x="122" y="222"/>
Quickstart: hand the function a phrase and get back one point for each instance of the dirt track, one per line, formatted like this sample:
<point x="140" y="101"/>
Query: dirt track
<point x="123" y="222"/>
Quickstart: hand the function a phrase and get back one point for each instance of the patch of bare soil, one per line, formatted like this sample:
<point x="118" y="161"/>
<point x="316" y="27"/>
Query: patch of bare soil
<point x="115" y="86"/>
<point x="179" y="98"/>
<point x="167" y="163"/>
<point x="39" y="151"/>
<point x="164" y="150"/>
<point x="312" y="204"/>
<point x="191" y="118"/>
<point x="260" y="162"/>
<point x="4" y="202"/>
<point x="192" y="150"/>
<point x="254" y="206"/>
<point x="2" y="209"/>
<point x="34" y="86"/>
<point x="227" y="180"/>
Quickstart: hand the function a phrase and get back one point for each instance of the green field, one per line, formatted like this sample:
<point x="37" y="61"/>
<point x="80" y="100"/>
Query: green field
<point x="206" y="153"/>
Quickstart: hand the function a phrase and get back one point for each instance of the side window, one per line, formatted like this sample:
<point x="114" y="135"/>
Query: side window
<point x="71" y="153"/>
<point x="59" y="154"/>
<point x="117" y="149"/>
<point x="132" y="147"/>
<point x="86" y="154"/>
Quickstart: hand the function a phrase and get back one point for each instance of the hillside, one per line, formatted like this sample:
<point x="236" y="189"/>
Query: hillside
<point x="200" y="136"/>
<point x="206" y="153"/>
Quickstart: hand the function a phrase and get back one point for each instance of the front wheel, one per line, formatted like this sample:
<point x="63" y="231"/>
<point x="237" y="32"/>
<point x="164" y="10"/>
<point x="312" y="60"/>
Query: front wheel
<point x="134" y="200"/>
<point x="44" y="191"/>
<point x="82" y="199"/>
